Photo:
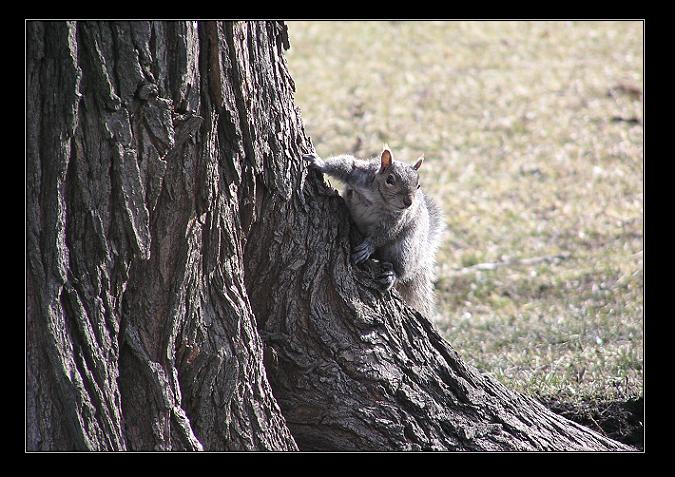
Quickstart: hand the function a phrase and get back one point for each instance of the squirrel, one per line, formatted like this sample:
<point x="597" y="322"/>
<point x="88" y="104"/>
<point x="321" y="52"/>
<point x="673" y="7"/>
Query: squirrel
<point x="401" y="224"/>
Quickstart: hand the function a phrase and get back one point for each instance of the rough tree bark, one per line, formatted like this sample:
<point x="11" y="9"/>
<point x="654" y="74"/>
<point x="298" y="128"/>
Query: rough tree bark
<point x="188" y="282"/>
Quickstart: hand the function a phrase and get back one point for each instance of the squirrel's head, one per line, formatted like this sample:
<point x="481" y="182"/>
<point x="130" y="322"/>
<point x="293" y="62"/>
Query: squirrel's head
<point x="397" y="181"/>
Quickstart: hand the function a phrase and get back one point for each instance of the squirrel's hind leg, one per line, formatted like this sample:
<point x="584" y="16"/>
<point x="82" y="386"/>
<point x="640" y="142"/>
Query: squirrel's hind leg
<point x="387" y="277"/>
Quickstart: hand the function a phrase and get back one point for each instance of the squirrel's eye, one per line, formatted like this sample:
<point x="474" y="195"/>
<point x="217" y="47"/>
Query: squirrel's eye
<point x="418" y="186"/>
<point x="390" y="180"/>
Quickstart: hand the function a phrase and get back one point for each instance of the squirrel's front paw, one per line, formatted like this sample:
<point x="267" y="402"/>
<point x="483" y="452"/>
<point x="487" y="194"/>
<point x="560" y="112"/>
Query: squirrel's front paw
<point x="315" y="161"/>
<point x="362" y="251"/>
<point x="387" y="278"/>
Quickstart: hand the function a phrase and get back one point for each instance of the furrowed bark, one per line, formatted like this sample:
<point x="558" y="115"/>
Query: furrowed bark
<point x="139" y="330"/>
<point x="188" y="282"/>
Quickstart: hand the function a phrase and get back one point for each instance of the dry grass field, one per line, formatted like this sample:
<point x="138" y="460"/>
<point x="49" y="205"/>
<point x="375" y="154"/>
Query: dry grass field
<point x="532" y="134"/>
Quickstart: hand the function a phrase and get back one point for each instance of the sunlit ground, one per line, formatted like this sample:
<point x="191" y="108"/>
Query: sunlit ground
<point x="532" y="134"/>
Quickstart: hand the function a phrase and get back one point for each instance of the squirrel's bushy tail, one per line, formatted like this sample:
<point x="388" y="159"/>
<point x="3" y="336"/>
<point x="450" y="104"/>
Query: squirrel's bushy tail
<point x="419" y="292"/>
<point x="436" y="224"/>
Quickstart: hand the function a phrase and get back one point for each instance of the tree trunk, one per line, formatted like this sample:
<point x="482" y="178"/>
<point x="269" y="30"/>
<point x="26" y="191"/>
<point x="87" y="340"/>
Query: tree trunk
<point x="188" y="282"/>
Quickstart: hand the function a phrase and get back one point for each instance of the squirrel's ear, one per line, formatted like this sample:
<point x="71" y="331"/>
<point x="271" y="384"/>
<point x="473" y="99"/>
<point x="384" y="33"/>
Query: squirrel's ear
<point x="419" y="162"/>
<point x="385" y="159"/>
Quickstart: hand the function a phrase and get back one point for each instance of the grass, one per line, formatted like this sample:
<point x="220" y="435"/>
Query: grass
<point x="532" y="136"/>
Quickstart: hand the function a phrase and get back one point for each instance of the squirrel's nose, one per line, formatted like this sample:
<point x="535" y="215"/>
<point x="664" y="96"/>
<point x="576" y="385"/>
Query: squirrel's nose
<point x="407" y="201"/>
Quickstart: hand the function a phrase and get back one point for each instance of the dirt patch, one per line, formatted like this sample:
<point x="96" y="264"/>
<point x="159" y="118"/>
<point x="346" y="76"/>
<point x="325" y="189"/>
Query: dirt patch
<point x="619" y="420"/>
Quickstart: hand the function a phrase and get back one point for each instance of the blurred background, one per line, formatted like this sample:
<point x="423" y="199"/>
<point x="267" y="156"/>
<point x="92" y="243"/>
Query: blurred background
<point x="533" y="142"/>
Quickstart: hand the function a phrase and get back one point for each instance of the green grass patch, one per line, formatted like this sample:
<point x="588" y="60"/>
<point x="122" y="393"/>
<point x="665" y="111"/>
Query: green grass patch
<point x="526" y="156"/>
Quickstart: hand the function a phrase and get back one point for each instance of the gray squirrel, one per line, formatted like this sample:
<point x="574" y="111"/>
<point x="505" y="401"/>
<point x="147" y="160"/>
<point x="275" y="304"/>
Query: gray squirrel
<point x="402" y="226"/>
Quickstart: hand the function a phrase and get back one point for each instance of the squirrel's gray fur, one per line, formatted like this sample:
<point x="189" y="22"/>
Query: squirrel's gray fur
<point x="401" y="225"/>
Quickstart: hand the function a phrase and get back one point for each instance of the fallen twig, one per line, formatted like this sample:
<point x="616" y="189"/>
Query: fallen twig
<point x="511" y="262"/>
